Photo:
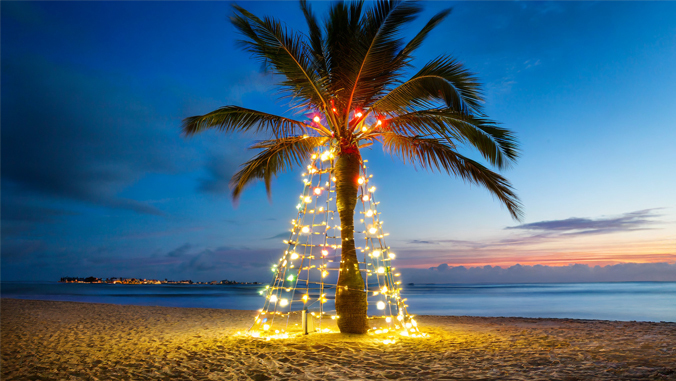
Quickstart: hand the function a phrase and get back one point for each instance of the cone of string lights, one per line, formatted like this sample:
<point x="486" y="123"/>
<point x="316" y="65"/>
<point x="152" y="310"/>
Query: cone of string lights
<point x="307" y="275"/>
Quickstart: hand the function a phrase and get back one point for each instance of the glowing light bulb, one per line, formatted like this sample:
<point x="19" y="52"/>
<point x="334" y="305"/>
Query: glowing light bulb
<point x="391" y="255"/>
<point x="388" y="319"/>
<point x="284" y="302"/>
<point x="379" y="122"/>
<point x="324" y="273"/>
<point x="360" y="180"/>
<point x="376" y="253"/>
<point x="372" y="189"/>
<point x="414" y="323"/>
<point x="409" y="325"/>
<point x="273" y="299"/>
<point x="294" y="256"/>
<point x="266" y="327"/>
<point x="305" y="229"/>
<point x="364" y="129"/>
<point x="325" y="156"/>
<point x="380" y="305"/>
<point x="305" y="297"/>
<point x="290" y="278"/>
<point x="318" y="191"/>
<point x="369" y="213"/>
<point x="314" y="156"/>
<point x="325" y="253"/>
<point x="381" y="270"/>
<point x="316" y="118"/>
<point x="365" y="198"/>
<point x="307" y="199"/>
<point x="333" y="179"/>
<point x="373" y="230"/>
<point x="358" y="114"/>
<point x="384" y="289"/>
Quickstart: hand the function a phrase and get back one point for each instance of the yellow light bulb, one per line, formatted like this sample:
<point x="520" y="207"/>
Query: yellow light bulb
<point x="325" y="253"/>
<point x="324" y="273"/>
<point x="388" y="319"/>
<point x="294" y="256"/>
<point x="360" y="180"/>
<point x="391" y="255"/>
<point x="266" y="327"/>
<point x="318" y="191"/>
<point x="369" y="213"/>
<point x="306" y="297"/>
<point x="305" y="229"/>
<point x="364" y="129"/>
<point x="365" y="198"/>
<point x="381" y="270"/>
<point x="283" y="302"/>
<point x="379" y="122"/>
<point x="316" y="119"/>
<point x="380" y="305"/>
<point x="307" y="199"/>
<point x="373" y="230"/>
<point x="376" y="253"/>
<point x="273" y="299"/>
<point x="358" y="114"/>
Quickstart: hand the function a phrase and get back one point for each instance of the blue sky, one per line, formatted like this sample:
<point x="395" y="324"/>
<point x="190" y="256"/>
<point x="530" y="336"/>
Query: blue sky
<point x="96" y="179"/>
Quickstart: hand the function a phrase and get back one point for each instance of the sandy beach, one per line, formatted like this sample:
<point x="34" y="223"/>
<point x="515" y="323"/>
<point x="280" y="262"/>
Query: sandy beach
<point x="44" y="340"/>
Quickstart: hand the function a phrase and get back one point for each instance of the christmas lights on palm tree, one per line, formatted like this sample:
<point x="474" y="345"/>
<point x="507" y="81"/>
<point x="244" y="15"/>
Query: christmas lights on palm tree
<point x="349" y="74"/>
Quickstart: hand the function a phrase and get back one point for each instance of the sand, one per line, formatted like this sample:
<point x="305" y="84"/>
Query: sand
<point x="46" y="340"/>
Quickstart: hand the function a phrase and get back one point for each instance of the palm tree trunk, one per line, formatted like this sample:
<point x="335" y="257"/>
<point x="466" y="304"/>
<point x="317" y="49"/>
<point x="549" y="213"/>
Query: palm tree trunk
<point x="351" y="302"/>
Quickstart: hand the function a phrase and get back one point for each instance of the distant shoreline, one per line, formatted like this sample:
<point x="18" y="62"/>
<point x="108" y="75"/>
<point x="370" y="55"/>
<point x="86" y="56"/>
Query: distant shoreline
<point x="143" y="281"/>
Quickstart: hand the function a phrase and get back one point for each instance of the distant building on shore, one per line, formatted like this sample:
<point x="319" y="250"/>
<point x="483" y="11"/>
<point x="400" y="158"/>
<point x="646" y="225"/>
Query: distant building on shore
<point x="135" y="281"/>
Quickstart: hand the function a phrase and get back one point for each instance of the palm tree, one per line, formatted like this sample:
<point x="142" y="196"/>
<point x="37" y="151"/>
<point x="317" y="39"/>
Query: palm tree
<point x="348" y="72"/>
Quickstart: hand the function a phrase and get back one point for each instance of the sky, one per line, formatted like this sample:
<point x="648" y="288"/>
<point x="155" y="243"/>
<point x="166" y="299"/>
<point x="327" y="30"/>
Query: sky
<point x="98" y="181"/>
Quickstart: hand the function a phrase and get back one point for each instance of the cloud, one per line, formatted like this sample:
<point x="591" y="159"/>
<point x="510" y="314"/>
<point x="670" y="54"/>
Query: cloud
<point x="220" y="170"/>
<point x="180" y="251"/>
<point x="623" y="272"/>
<point x="638" y="220"/>
<point x="77" y="135"/>
<point x="425" y="242"/>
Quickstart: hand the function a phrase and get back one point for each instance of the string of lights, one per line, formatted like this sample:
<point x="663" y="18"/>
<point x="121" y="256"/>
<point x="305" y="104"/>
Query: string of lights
<point x="306" y="276"/>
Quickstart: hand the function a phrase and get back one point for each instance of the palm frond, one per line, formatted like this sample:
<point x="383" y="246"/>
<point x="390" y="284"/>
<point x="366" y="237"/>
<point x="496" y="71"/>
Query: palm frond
<point x="442" y="80"/>
<point x="404" y="55"/>
<point x="372" y="58"/>
<point x="278" y="155"/>
<point x="286" y="53"/>
<point x="316" y="39"/>
<point x="496" y="144"/>
<point x="234" y="118"/>
<point x="432" y="153"/>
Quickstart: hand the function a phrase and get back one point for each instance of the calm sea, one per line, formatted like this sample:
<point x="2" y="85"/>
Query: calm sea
<point x="640" y="301"/>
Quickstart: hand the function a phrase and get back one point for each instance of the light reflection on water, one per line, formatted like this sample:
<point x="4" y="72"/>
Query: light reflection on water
<point x="641" y="301"/>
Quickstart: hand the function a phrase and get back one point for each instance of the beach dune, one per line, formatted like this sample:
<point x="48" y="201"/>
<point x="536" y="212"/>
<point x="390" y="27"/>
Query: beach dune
<point x="85" y="341"/>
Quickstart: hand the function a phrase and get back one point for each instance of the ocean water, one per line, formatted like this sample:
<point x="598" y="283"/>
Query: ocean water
<point x="640" y="301"/>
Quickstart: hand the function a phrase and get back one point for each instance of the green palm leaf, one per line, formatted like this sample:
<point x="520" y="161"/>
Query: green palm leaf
<point x="432" y="153"/>
<point x="442" y="80"/>
<point x="496" y="144"/>
<point x="286" y="53"/>
<point x="278" y="155"/>
<point x="234" y="118"/>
